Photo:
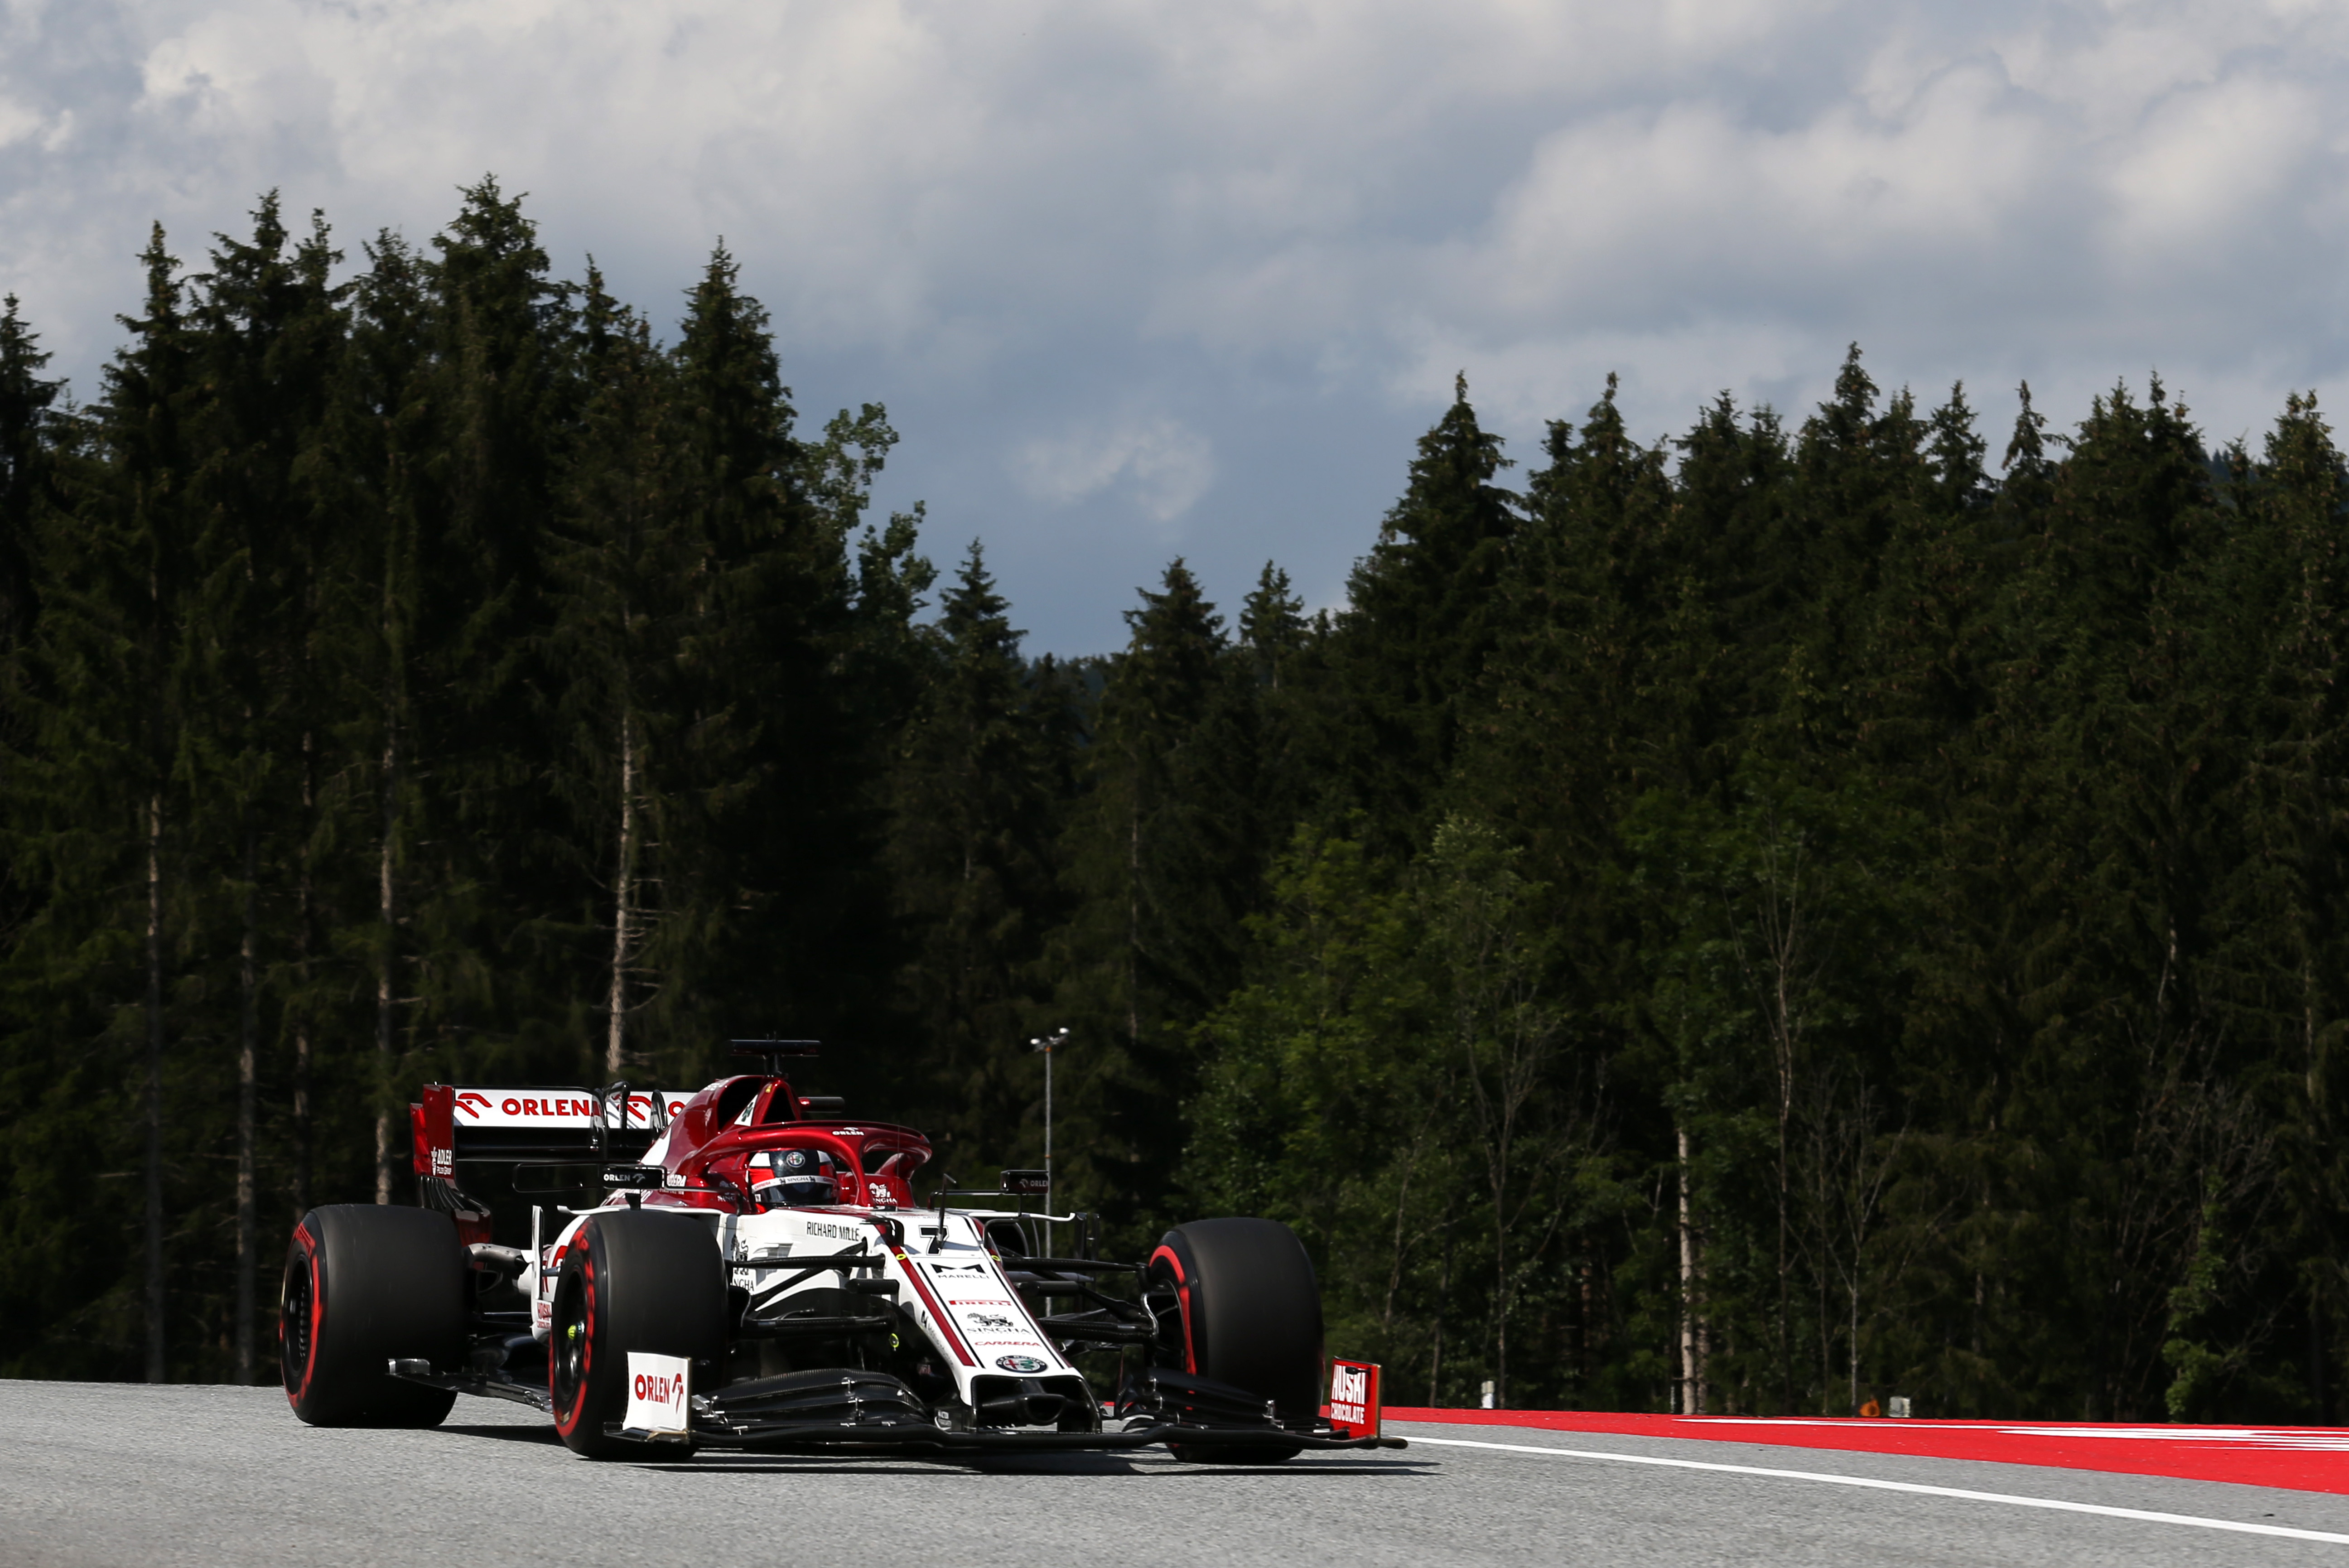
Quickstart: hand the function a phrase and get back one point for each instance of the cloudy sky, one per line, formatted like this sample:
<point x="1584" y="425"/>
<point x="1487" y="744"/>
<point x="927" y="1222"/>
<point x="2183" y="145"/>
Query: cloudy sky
<point x="1139" y="280"/>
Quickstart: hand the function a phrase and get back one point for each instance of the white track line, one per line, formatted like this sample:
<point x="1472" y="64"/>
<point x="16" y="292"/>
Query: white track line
<point x="1870" y="1483"/>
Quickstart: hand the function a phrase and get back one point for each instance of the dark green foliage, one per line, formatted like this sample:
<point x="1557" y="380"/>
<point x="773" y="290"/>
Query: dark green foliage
<point x="1421" y="619"/>
<point x="361" y="617"/>
<point x="28" y="464"/>
<point x="1933" y="986"/>
<point x="1787" y="915"/>
<point x="980" y="782"/>
<point x="1157" y="864"/>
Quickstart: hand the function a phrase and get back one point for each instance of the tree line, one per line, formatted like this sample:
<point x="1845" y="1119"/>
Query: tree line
<point x="1757" y="922"/>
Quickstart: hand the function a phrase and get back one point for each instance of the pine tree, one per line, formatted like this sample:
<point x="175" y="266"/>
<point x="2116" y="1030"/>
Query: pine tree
<point x="1587" y="697"/>
<point x="981" y="782"/>
<point x="1921" y="643"/>
<point x="791" y="697"/>
<point x="1771" y="916"/>
<point x="1325" y="1101"/>
<point x="2272" y="650"/>
<point x="29" y="478"/>
<point x="626" y="607"/>
<point x="2107" y="761"/>
<point x="1410" y="650"/>
<point x="373" y="479"/>
<point x="50" y="1073"/>
<point x="266" y="335"/>
<point x="100" y="805"/>
<point x="458" y="593"/>
<point x="1271" y="712"/>
<point x="1160" y="884"/>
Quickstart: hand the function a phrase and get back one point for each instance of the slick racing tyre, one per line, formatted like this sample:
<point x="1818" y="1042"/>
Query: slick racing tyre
<point x="365" y="1285"/>
<point x="1250" y="1316"/>
<point x="632" y="1280"/>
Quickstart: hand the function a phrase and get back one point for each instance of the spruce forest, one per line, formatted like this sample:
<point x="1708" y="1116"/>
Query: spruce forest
<point x="1808" y="910"/>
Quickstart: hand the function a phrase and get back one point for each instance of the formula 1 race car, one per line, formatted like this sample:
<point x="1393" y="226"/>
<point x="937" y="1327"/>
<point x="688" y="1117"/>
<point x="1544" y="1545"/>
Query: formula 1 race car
<point x="757" y="1275"/>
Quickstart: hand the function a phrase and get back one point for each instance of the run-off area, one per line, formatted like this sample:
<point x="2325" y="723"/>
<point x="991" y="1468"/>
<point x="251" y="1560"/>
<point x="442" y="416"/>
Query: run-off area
<point x="108" y="1474"/>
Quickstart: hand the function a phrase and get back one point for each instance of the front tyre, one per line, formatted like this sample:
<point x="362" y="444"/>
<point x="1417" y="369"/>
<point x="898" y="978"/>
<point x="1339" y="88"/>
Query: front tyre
<point x="365" y="1285"/>
<point x="632" y="1280"/>
<point x="1249" y="1314"/>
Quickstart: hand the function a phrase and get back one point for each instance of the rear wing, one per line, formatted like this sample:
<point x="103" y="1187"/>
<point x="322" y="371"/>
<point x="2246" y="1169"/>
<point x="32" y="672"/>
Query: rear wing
<point x="618" y="1122"/>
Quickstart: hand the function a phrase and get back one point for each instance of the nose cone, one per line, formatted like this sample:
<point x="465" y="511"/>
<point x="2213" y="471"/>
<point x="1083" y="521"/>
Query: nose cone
<point x="1033" y="1406"/>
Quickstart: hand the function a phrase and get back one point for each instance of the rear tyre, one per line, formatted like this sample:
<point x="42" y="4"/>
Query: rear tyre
<point x="632" y="1280"/>
<point x="1250" y="1316"/>
<point x="364" y="1284"/>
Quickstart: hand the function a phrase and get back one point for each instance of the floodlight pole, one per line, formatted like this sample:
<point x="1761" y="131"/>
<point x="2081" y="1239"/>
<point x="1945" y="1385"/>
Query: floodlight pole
<point x="1045" y="1045"/>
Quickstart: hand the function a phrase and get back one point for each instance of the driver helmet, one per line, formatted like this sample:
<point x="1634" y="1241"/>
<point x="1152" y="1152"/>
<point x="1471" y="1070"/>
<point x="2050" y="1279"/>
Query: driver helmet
<point x="794" y="1178"/>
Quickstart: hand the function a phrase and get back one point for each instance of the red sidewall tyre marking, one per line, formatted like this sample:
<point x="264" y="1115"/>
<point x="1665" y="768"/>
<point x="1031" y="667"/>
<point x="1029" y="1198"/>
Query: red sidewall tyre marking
<point x="307" y="1245"/>
<point x="1183" y="1301"/>
<point x="567" y="1421"/>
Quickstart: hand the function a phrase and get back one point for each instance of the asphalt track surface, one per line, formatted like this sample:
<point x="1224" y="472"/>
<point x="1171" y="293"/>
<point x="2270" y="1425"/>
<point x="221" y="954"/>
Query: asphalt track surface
<point x="111" y="1474"/>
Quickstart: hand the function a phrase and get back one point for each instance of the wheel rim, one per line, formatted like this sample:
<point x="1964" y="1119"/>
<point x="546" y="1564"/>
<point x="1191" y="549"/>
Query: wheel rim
<point x="1170" y="1344"/>
<point x="294" y="1323"/>
<point x="569" y="1352"/>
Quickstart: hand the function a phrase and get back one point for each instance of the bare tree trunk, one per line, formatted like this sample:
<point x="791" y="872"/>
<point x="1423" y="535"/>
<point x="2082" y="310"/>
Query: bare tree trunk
<point x="1496" y="1166"/>
<point x="1692" y="1336"/>
<point x="1442" y="1294"/>
<point x="388" y="947"/>
<point x="1786" y="941"/>
<point x="1855" y="1335"/>
<point x="1133" y="927"/>
<point x="302" y="1013"/>
<point x="1402" y="1205"/>
<point x="1501" y="1323"/>
<point x="155" y="1088"/>
<point x="2319" y="1378"/>
<point x="623" y="914"/>
<point x="1975" y="1343"/>
<point x="1704" y="1338"/>
<point x="1785" y="1274"/>
<point x="395" y="654"/>
<point x="1582" y="1336"/>
<point x="1501" y="1277"/>
<point x="1823" y="1219"/>
<point x="247" y="1229"/>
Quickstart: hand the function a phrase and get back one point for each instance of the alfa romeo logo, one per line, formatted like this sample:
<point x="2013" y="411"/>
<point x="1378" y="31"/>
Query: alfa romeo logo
<point x="1019" y="1364"/>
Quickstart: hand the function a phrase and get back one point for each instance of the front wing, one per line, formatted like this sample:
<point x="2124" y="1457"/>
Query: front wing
<point x="871" y="1412"/>
<point x="909" y="1436"/>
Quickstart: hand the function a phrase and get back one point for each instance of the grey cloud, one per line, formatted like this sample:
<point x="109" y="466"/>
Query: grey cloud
<point x="1167" y="466"/>
<point x="1143" y="277"/>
